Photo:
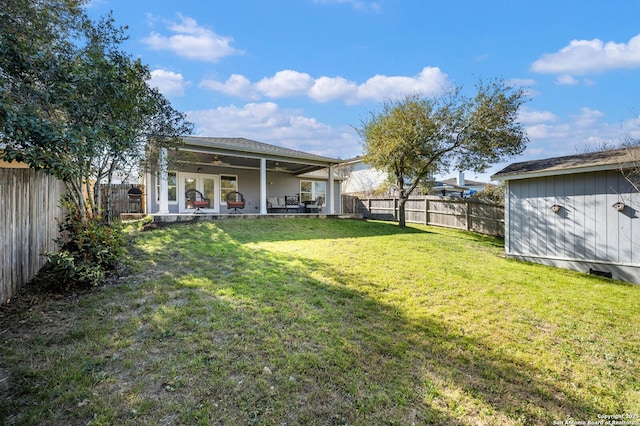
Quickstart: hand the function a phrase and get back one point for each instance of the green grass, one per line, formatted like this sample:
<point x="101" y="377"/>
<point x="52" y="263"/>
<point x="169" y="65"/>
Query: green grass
<point x="325" y="322"/>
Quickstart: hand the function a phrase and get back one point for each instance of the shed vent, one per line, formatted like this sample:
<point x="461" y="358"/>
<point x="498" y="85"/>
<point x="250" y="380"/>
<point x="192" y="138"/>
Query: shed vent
<point x="600" y="273"/>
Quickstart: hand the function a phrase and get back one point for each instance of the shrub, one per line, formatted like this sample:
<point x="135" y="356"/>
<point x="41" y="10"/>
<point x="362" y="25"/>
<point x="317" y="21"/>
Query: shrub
<point x="88" y="254"/>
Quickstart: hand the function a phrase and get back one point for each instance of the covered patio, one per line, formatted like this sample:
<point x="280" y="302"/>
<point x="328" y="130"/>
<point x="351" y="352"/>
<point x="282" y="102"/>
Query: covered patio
<point x="206" y="176"/>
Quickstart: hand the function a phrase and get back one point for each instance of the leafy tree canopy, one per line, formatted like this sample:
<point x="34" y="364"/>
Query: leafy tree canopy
<point x="418" y="137"/>
<point x="72" y="102"/>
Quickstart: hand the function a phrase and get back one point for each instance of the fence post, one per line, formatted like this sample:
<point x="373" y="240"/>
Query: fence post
<point x="468" y="215"/>
<point x="396" y="214"/>
<point x="426" y="210"/>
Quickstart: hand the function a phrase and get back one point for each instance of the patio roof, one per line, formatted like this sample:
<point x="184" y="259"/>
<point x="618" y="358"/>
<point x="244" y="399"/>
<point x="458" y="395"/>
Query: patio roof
<point x="246" y="153"/>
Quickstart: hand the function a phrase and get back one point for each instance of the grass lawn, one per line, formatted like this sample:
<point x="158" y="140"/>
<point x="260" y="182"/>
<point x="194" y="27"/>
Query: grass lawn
<point x="324" y="322"/>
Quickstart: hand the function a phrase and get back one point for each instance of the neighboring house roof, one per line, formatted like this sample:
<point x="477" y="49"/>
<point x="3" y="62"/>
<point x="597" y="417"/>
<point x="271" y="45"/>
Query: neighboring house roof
<point x="582" y="163"/>
<point x="439" y="186"/>
<point x="467" y="182"/>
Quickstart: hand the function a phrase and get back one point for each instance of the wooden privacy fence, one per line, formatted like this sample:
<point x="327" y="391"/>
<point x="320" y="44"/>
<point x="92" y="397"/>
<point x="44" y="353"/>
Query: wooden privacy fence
<point x="465" y="214"/>
<point x="29" y="207"/>
<point x="116" y="199"/>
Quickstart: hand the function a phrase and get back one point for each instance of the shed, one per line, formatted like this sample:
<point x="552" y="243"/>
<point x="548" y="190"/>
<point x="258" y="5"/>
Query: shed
<point x="578" y="212"/>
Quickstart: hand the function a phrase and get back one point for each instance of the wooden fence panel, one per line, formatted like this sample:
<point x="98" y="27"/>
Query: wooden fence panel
<point x="448" y="213"/>
<point x="487" y="219"/>
<point x="350" y="204"/>
<point x="465" y="214"/>
<point x="29" y="207"/>
<point x="414" y="211"/>
<point x="118" y="195"/>
<point x="381" y="208"/>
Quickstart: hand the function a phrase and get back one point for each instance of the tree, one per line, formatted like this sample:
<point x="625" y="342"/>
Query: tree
<point x="632" y="170"/>
<point x="73" y="103"/>
<point x="492" y="193"/>
<point x="417" y="137"/>
<point x="629" y="165"/>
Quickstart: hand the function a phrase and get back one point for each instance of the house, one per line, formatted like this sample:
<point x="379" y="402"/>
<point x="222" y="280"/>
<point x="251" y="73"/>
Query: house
<point x="577" y="212"/>
<point x="469" y="186"/>
<point x="456" y="187"/>
<point x="199" y="175"/>
<point x="362" y="180"/>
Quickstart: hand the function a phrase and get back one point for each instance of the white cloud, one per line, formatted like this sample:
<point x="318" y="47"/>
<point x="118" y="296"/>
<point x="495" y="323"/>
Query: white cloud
<point x="356" y="4"/>
<point x="168" y="83"/>
<point x="431" y="81"/>
<point x="531" y="116"/>
<point x="236" y="85"/>
<point x="326" y="89"/>
<point x="587" y="117"/>
<point x="192" y="41"/>
<point x="582" y="57"/>
<point x="585" y="129"/>
<point x="567" y="80"/>
<point x="521" y="82"/>
<point x="289" y="83"/>
<point x="267" y="122"/>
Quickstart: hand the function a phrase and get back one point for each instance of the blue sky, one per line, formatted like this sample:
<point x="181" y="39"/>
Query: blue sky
<point x="304" y="73"/>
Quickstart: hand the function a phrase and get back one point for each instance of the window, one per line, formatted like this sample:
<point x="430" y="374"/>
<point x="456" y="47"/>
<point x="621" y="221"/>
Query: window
<point x="227" y="184"/>
<point x="310" y="190"/>
<point x="172" y="182"/>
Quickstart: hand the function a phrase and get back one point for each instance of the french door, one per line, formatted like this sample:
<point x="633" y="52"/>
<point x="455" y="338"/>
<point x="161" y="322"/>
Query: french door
<point x="207" y="185"/>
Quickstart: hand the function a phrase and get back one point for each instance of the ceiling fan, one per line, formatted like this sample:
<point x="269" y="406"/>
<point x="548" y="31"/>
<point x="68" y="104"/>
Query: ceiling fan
<point x="218" y="162"/>
<point x="277" y="168"/>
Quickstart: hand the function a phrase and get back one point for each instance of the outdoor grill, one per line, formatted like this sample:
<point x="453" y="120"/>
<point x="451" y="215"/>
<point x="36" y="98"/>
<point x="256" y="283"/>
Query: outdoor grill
<point x="135" y="200"/>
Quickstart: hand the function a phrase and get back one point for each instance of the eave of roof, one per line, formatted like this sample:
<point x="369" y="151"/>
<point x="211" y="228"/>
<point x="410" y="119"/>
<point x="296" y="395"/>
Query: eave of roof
<point x="582" y="163"/>
<point x="243" y="145"/>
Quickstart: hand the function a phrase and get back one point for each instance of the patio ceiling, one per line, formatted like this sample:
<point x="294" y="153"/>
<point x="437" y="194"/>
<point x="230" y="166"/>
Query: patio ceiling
<point x="243" y="153"/>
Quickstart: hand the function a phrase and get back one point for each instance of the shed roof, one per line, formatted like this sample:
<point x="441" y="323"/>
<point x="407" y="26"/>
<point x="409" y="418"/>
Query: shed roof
<point x="581" y="163"/>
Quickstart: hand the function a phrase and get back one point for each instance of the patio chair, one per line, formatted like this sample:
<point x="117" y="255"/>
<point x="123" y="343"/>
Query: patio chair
<point x="291" y="202"/>
<point x="235" y="201"/>
<point x="195" y="200"/>
<point x="314" y="206"/>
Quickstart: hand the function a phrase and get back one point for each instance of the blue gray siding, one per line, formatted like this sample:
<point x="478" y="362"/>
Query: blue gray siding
<point x="587" y="233"/>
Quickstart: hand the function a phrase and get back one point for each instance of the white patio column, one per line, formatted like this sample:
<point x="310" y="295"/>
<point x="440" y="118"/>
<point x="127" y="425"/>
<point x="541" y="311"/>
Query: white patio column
<point x="332" y="207"/>
<point x="149" y="183"/>
<point x="263" y="186"/>
<point x="164" y="187"/>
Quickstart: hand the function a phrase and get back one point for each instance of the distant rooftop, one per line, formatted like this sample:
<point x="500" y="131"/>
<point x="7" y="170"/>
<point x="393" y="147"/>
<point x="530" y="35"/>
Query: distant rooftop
<point x="467" y="182"/>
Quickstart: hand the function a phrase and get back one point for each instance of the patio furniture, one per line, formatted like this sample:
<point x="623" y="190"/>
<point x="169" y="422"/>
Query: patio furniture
<point x="291" y="202"/>
<point x="235" y="201"/>
<point x="275" y="203"/>
<point x="314" y="206"/>
<point x="195" y="200"/>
